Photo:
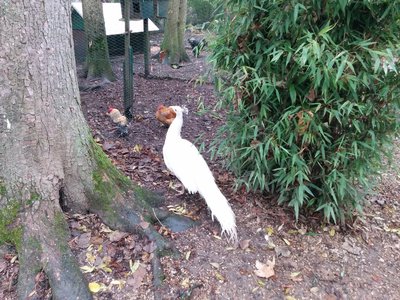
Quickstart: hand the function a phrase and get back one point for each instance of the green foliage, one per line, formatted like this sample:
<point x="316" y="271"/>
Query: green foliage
<point x="200" y="11"/>
<point x="312" y="97"/>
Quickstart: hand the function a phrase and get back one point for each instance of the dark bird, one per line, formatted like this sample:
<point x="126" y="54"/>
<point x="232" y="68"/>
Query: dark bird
<point x="197" y="45"/>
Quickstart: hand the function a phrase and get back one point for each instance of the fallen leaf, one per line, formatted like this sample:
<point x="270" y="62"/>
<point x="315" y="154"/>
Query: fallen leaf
<point x="83" y="240"/>
<point x="282" y="251"/>
<point x="311" y="95"/>
<point x="134" y="266"/>
<point x="137" y="148"/>
<point x="136" y="280"/>
<point x="269" y="230"/>
<point x="353" y="249"/>
<point x="271" y="245"/>
<point x="394" y="230"/>
<point x="302" y="230"/>
<point x="265" y="270"/>
<point x="87" y="269"/>
<point x="185" y="283"/>
<point x="90" y="257"/>
<point x="332" y="232"/>
<point x="295" y="276"/>
<point x="120" y="283"/>
<point x="177" y="209"/>
<point x="219" y="277"/>
<point x="105" y="268"/>
<point x="260" y="283"/>
<point x="96" y="240"/>
<point x="244" y="244"/>
<point x="286" y="241"/>
<point x="94" y="287"/>
<point x="116" y="236"/>
<point x="215" y="265"/>
<point x="105" y="228"/>
<point x="187" y="256"/>
<point x="150" y="247"/>
<point x="107" y="146"/>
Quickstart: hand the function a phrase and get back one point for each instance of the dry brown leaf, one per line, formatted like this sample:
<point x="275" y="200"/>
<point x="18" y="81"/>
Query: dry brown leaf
<point x="120" y="283"/>
<point x="302" y="230"/>
<point x="219" y="277"/>
<point x="244" y="244"/>
<point x="116" y="236"/>
<point x="138" y="276"/>
<point x="83" y="240"/>
<point x="185" y="283"/>
<point x="150" y="247"/>
<point x="265" y="270"/>
<point x="13" y="259"/>
<point x="282" y="251"/>
<point x="105" y="228"/>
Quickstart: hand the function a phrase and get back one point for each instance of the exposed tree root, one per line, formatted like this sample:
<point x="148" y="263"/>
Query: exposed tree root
<point x="115" y="199"/>
<point x="45" y="246"/>
<point x="126" y="219"/>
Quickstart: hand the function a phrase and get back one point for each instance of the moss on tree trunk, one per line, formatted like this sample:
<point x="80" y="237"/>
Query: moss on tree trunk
<point x="48" y="158"/>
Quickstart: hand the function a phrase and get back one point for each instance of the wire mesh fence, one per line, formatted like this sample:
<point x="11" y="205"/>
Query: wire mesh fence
<point x="146" y="22"/>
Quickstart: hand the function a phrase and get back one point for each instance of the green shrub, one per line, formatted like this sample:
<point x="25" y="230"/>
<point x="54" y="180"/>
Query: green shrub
<point x="200" y="11"/>
<point x="312" y="105"/>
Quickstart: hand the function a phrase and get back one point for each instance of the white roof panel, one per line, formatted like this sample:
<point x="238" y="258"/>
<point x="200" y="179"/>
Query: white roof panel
<point x="113" y="19"/>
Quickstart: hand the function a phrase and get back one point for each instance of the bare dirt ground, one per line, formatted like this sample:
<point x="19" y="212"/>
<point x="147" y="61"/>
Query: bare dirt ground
<point x="310" y="260"/>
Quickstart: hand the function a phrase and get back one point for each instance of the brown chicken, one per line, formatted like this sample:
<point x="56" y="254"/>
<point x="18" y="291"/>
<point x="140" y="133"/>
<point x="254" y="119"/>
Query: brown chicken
<point x="165" y="114"/>
<point x="120" y="120"/>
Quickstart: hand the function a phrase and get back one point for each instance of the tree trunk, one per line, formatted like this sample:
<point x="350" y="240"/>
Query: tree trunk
<point x="48" y="158"/>
<point x="173" y="43"/>
<point x="97" y="57"/>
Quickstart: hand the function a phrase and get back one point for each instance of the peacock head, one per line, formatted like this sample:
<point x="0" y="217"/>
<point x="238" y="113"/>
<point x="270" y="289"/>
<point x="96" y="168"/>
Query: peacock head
<point x="180" y="110"/>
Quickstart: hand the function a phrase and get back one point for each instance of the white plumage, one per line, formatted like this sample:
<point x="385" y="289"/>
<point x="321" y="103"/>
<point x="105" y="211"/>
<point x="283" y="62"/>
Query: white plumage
<point x="186" y="163"/>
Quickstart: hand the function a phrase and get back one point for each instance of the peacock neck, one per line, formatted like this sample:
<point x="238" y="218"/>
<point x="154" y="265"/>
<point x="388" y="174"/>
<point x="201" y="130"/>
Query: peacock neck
<point x="174" y="130"/>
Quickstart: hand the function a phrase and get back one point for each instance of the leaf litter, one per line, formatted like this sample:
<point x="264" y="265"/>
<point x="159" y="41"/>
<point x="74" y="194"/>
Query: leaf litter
<point x="322" y="264"/>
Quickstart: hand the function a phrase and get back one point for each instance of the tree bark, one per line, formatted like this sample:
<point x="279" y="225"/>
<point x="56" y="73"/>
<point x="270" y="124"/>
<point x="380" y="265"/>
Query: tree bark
<point x="48" y="158"/>
<point x="173" y="43"/>
<point x="97" y="57"/>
